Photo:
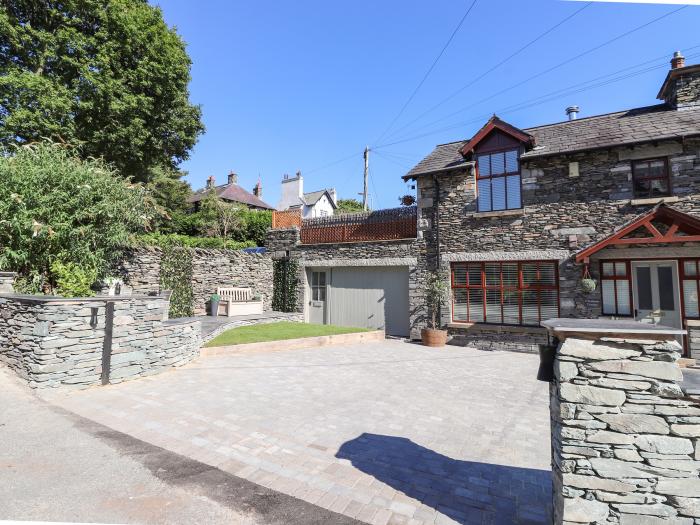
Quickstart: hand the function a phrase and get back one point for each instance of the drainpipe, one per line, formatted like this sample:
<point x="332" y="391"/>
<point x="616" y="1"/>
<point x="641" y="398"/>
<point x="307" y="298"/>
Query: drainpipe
<point x="436" y="221"/>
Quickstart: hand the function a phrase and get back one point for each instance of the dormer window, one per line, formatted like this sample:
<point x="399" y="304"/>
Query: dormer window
<point x="498" y="180"/>
<point x="650" y="178"/>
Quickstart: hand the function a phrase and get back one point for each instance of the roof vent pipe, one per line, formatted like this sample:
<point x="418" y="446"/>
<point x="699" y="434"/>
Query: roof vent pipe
<point x="572" y="112"/>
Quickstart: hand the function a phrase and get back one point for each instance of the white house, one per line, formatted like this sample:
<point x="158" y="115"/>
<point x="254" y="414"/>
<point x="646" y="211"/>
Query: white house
<point x="321" y="203"/>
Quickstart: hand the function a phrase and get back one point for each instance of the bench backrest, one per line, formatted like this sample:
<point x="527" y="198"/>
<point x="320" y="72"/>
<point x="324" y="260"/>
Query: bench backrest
<point x="237" y="295"/>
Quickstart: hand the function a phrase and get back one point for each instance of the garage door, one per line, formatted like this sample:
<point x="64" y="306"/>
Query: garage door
<point x="369" y="297"/>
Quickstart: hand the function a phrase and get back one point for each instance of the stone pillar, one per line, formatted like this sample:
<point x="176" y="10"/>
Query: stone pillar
<point x="7" y="281"/>
<point x="625" y="439"/>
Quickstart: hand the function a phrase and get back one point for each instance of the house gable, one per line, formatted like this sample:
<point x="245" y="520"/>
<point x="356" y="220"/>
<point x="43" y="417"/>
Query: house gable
<point x="496" y="134"/>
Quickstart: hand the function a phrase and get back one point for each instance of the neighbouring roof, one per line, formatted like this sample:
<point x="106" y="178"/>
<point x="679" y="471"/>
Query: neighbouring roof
<point x="628" y="127"/>
<point x="313" y="197"/>
<point x="232" y="192"/>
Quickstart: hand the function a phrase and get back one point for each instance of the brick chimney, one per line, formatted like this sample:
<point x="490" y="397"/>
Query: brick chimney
<point x="232" y="178"/>
<point x="210" y="182"/>
<point x="681" y="88"/>
<point x="257" y="190"/>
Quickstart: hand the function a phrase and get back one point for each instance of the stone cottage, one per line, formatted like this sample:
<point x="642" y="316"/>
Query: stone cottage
<point x="515" y="219"/>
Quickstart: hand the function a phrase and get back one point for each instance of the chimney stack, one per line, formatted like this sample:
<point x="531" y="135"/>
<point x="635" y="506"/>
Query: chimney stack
<point x="210" y="182"/>
<point x="257" y="191"/>
<point x="572" y="112"/>
<point x="678" y="60"/>
<point x="232" y="178"/>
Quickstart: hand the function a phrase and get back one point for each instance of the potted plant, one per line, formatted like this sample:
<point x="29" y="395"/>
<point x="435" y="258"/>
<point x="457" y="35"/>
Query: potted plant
<point x="257" y="297"/>
<point x="588" y="284"/>
<point x="214" y="301"/>
<point x="114" y="285"/>
<point x="435" y="294"/>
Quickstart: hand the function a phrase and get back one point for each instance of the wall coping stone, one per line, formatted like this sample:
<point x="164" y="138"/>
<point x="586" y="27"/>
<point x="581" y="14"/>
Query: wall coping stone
<point x="566" y="327"/>
<point x="8" y="274"/>
<point x="527" y="255"/>
<point x="53" y="299"/>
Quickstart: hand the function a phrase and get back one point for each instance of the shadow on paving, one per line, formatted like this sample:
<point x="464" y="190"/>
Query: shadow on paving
<point x="466" y="491"/>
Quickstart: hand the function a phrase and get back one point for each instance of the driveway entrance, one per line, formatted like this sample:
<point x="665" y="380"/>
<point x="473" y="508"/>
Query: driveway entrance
<point x="386" y="432"/>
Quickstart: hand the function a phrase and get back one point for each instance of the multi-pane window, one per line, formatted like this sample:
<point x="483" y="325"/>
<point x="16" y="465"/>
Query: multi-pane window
<point x="650" y="178"/>
<point x="318" y="286"/>
<point x="505" y="292"/>
<point x="691" y="285"/>
<point x="615" y="288"/>
<point x="498" y="181"/>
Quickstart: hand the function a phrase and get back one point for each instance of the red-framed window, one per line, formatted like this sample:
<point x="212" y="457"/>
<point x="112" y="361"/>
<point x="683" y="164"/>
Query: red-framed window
<point x="690" y="279"/>
<point x="514" y="293"/>
<point x="616" y="287"/>
<point x="498" y="180"/>
<point x="650" y="178"/>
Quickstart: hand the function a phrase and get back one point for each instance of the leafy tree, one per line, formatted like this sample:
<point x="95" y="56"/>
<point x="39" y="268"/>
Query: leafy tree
<point x="55" y="207"/>
<point x="349" y="206"/>
<point x="219" y="218"/>
<point x="255" y="224"/>
<point x="170" y="194"/>
<point x="107" y="75"/>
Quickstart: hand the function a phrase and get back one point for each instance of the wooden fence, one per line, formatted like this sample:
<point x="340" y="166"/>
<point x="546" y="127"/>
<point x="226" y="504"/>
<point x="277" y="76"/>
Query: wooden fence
<point x="286" y="219"/>
<point x="395" y="223"/>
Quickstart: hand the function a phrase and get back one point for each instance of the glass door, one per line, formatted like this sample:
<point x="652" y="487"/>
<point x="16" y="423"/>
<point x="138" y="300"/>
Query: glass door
<point x="317" y="305"/>
<point x="655" y="292"/>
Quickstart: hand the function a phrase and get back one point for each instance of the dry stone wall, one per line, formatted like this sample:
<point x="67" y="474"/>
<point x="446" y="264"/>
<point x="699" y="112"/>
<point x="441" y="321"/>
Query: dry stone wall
<point x="625" y="440"/>
<point x="59" y="342"/>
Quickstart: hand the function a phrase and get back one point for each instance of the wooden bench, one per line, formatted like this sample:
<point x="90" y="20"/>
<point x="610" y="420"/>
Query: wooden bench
<point x="238" y="301"/>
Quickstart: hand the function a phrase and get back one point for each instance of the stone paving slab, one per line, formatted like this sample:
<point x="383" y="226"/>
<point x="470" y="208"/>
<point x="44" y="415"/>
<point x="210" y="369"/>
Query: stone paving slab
<point x="387" y="433"/>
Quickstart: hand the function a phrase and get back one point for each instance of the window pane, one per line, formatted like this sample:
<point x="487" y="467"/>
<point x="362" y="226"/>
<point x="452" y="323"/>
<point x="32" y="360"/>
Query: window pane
<point x="484" y="194"/>
<point x="666" y="299"/>
<point x="476" y="306"/>
<point x="322" y="279"/>
<point x="659" y="187"/>
<point x="483" y="165"/>
<point x="549" y="304"/>
<point x="529" y="274"/>
<point x="459" y="274"/>
<point x="644" y="301"/>
<point x="657" y="168"/>
<point x="513" y="192"/>
<point x="623" y="297"/>
<point x="498" y="193"/>
<point x="509" y="272"/>
<point x="459" y="312"/>
<point x="493" y="274"/>
<point x="474" y="274"/>
<point x="322" y="293"/>
<point x="498" y="166"/>
<point x="690" y="298"/>
<point x="641" y="170"/>
<point x="608" y="291"/>
<point x="530" y="311"/>
<point x="511" y="161"/>
<point x="511" y="307"/>
<point x="690" y="268"/>
<point x="493" y="306"/>
<point x="548" y="274"/>
<point x="608" y="269"/>
<point x="620" y="269"/>
<point x="314" y="278"/>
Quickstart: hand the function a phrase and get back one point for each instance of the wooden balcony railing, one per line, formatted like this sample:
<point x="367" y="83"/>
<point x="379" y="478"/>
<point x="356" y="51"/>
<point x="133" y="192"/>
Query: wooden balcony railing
<point x="286" y="219"/>
<point x="395" y="223"/>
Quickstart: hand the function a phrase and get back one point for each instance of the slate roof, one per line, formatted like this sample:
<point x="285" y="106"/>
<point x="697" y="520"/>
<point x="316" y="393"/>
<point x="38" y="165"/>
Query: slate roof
<point x="234" y="193"/>
<point x="628" y="127"/>
<point x="312" y="197"/>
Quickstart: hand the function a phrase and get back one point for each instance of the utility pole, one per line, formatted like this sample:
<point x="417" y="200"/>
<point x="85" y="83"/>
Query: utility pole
<point x="364" y="191"/>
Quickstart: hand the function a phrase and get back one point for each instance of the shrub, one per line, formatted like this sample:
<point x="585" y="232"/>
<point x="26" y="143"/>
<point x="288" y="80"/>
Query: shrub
<point x="172" y="239"/>
<point x="72" y="280"/>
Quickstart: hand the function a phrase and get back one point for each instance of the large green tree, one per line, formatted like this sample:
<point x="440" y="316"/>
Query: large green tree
<point x="107" y="75"/>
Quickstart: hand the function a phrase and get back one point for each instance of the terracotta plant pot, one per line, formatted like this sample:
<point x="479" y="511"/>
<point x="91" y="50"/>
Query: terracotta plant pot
<point x="433" y="337"/>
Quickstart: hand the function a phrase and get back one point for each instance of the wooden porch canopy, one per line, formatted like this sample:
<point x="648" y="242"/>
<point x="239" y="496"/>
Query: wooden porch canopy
<point x="661" y="225"/>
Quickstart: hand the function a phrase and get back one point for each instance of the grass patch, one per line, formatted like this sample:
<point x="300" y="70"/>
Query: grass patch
<point x="278" y="332"/>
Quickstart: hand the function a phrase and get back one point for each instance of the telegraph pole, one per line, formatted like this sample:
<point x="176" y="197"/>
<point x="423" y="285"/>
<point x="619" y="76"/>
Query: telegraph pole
<point x="364" y="191"/>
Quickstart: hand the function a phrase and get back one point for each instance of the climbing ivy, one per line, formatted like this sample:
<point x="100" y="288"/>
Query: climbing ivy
<point x="284" y="295"/>
<point x="176" y="275"/>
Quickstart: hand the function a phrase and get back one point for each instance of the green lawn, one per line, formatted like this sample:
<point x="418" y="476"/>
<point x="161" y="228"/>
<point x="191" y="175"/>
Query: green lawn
<point x="278" y="332"/>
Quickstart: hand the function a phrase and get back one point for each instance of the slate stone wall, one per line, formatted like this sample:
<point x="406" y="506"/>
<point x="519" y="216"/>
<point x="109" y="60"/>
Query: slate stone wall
<point x="211" y="269"/>
<point x="55" y="342"/>
<point x="625" y="441"/>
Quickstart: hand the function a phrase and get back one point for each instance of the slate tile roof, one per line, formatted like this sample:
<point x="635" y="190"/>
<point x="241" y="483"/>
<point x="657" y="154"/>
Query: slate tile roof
<point x="601" y="131"/>
<point x="234" y="193"/>
<point x="312" y="197"/>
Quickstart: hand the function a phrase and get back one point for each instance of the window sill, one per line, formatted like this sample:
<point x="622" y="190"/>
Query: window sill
<point x="653" y="200"/>
<point x="500" y="213"/>
<point x="694" y="323"/>
<point x="500" y="328"/>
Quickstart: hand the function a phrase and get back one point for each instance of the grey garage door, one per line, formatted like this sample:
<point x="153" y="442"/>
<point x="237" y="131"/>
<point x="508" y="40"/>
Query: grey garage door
<point x="369" y="297"/>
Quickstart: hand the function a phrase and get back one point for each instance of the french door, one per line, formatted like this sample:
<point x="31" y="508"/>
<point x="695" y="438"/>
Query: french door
<point x="655" y="292"/>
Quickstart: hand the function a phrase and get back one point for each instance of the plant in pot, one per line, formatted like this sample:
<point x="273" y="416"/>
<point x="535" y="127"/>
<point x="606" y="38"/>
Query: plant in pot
<point x="435" y="294"/>
<point x="588" y="284"/>
<point x="214" y="301"/>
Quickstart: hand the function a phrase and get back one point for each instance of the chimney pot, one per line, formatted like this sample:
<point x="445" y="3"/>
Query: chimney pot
<point x="572" y="112"/>
<point x="678" y="60"/>
<point x="299" y="174"/>
<point x="232" y="178"/>
<point x="210" y="181"/>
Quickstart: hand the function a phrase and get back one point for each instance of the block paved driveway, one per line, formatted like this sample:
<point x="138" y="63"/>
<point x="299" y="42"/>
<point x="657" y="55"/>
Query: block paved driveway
<point x="388" y="432"/>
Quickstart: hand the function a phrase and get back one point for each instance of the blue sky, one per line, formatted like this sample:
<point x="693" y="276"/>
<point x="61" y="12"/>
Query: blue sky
<point x="289" y="86"/>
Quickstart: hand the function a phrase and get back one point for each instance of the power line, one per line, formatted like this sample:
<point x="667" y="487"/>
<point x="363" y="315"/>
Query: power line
<point x="576" y="88"/>
<point x="550" y="69"/>
<point x="333" y="163"/>
<point x="491" y="69"/>
<point x="427" y="73"/>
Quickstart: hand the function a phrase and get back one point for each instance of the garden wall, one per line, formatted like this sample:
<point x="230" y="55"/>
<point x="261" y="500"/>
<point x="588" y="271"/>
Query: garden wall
<point x="211" y="268"/>
<point x="625" y="439"/>
<point x="53" y="341"/>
